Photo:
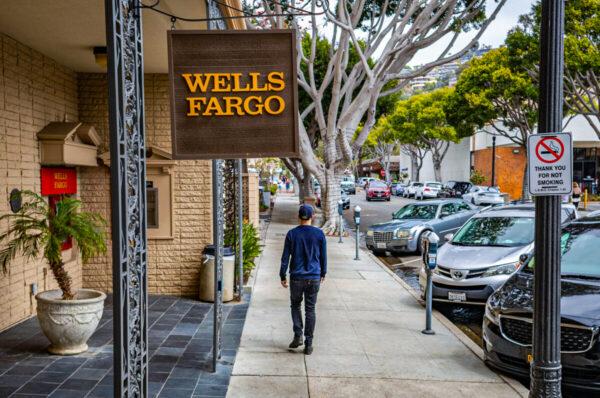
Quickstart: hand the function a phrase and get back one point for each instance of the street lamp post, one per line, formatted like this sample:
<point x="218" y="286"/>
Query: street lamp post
<point x="493" y="161"/>
<point x="357" y="210"/>
<point x="546" y="367"/>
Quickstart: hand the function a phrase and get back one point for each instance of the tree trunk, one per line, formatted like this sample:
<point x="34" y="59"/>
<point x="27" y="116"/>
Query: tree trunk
<point x="437" y="167"/>
<point x="415" y="170"/>
<point x="304" y="188"/>
<point x="329" y="200"/>
<point x="63" y="279"/>
<point x="525" y="189"/>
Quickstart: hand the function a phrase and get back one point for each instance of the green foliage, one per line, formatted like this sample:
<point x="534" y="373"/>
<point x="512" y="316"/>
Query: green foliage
<point x="36" y="228"/>
<point x="477" y="178"/>
<point x="273" y="188"/>
<point x="250" y="244"/>
<point x="495" y="86"/>
<point x="428" y="117"/>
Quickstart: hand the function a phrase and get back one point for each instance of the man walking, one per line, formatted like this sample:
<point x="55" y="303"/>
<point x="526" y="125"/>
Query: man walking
<point x="307" y="247"/>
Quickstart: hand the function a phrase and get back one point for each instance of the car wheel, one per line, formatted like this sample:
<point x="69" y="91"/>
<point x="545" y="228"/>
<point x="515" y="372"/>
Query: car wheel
<point x="368" y="199"/>
<point x="389" y="198"/>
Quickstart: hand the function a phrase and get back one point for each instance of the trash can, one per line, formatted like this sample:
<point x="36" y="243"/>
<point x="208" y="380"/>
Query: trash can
<point x="207" y="274"/>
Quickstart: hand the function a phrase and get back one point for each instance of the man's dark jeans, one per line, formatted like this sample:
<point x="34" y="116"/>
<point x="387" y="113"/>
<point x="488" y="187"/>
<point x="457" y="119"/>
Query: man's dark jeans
<point x="307" y="288"/>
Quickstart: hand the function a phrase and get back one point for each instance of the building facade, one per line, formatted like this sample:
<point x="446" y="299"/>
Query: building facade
<point x="54" y="111"/>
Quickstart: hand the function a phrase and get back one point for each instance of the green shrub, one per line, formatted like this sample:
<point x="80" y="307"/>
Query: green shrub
<point x="251" y="246"/>
<point x="477" y="178"/>
<point x="273" y="188"/>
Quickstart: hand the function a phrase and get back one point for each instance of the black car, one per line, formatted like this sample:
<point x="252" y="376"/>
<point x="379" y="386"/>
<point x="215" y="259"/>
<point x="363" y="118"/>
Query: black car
<point x="455" y="189"/>
<point x="507" y="325"/>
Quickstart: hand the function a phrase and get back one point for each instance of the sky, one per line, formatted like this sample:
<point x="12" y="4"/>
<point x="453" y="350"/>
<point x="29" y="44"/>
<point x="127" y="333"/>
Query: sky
<point x="494" y="35"/>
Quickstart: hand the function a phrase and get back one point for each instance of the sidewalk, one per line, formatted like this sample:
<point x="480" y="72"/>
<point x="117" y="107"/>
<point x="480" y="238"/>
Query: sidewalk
<point x="368" y="340"/>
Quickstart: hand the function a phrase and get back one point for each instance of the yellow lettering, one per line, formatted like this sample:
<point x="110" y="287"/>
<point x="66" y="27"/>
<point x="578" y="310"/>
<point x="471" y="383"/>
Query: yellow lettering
<point x="198" y="81"/>
<point x="60" y="184"/>
<point x="222" y="82"/>
<point x="276" y="82"/>
<point x="270" y="110"/>
<point x="255" y="85"/>
<point x="194" y="105"/>
<point x="258" y="106"/>
<point x="213" y="105"/>
<point x="236" y="83"/>
<point x="233" y="102"/>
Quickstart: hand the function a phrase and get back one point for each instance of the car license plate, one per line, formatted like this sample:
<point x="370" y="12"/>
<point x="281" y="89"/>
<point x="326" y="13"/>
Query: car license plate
<point x="381" y="245"/>
<point x="452" y="296"/>
<point x="379" y="195"/>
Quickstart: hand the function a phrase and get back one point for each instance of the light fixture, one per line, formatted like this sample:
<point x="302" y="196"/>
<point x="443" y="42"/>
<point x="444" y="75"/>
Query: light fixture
<point x="100" y="56"/>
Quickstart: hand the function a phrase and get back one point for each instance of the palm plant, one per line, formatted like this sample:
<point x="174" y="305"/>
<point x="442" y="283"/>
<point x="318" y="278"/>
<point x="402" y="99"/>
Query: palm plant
<point x="37" y="227"/>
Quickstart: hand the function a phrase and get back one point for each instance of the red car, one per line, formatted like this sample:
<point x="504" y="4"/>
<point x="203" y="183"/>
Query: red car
<point x="378" y="190"/>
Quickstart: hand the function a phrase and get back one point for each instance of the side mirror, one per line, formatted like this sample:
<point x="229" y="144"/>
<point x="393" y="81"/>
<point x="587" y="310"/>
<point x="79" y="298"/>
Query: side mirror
<point x="448" y="237"/>
<point x="523" y="258"/>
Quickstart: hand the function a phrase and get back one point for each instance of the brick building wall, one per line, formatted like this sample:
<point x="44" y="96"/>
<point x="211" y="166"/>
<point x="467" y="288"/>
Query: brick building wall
<point x="510" y="168"/>
<point x="34" y="90"/>
<point x="173" y="264"/>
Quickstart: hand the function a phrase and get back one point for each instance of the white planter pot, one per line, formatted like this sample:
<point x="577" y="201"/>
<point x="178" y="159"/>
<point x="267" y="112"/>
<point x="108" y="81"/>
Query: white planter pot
<point x="68" y="324"/>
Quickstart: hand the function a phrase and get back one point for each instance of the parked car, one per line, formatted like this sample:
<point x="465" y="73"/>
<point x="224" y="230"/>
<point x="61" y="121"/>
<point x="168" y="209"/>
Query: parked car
<point x="398" y="188"/>
<point x="411" y="189"/>
<point x="484" y="253"/>
<point x="429" y="190"/>
<point x="507" y="324"/>
<point x="364" y="181"/>
<point x="455" y="189"/>
<point x="403" y="232"/>
<point x="377" y="190"/>
<point x="345" y="200"/>
<point x="348" y="187"/>
<point x="483" y="196"/>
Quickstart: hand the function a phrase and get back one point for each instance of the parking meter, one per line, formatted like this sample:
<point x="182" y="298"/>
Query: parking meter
<point x="430" y="242"/>
<point x="357" y="210"/>
<point x="341" y="213"/>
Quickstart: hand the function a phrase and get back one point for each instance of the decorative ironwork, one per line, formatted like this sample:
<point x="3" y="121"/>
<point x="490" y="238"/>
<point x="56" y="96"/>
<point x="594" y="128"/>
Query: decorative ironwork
<point x="128" y="196"/>
<point x="218" y="221"/>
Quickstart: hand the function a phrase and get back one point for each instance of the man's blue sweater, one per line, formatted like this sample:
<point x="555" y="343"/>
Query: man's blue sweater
<point x="307" y="247"/>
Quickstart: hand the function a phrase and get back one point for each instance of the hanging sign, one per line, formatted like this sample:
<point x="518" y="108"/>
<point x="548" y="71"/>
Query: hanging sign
<point x="58" y="180"/>
<point x="233" y="94"/>
<point x="550" y="164"/>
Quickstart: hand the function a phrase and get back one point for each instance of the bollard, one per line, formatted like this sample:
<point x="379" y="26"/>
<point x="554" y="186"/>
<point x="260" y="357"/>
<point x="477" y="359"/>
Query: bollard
<point x="430" y="245"/>
<point x="585" y="199"/>
<point x="341" y="216"/>
<point x="357" y="210"/>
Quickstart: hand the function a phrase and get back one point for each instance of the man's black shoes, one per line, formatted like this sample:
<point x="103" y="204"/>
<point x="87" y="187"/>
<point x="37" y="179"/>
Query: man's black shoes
<point x="297" y="342"/>
<point x="308" y="350"/>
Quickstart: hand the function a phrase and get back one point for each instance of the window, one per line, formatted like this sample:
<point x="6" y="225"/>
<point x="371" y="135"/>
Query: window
<point x="151" y="205"/>
<point x="448" y="209"/>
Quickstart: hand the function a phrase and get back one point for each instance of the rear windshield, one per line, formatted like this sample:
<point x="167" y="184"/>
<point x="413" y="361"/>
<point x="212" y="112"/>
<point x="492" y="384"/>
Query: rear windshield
<point x="580" y="248"/>
<point x="377" y="184"/>
<point x="417" y="184"/>
<point x="434" y="185"/>
<point x="416" y="212"/>
<point x="496" y="231"/>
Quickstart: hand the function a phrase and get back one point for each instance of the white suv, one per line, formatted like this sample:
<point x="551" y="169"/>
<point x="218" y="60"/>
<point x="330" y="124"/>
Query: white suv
<point x="411" y="189"/>
<point x="429" y="190"/>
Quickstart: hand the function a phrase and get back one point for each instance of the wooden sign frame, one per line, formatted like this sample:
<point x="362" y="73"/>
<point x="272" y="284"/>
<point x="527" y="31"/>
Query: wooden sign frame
<point x="234" y="93"/>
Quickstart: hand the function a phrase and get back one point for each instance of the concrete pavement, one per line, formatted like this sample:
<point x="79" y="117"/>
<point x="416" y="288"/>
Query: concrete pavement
<point x="368" y="339"/>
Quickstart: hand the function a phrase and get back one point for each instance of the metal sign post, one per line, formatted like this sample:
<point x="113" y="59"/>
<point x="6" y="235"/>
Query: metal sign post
<point x="430" y="246"/>
<point x="341" y="218"/>
<point x="128" y="197"/>
<point x="240" y="221"/>
<point x="545" y="367"/>
<point x="217" y="177"/>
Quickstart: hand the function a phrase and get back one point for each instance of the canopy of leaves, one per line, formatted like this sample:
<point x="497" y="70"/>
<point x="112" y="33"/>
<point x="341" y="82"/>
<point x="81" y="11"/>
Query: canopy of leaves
<point x="495" y="86"/>
<point x="429" y="117"/>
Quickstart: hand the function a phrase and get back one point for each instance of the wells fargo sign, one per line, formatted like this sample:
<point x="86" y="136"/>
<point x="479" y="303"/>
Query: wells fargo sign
<point x="233" y="94"/>
<point x="58" y="180"/>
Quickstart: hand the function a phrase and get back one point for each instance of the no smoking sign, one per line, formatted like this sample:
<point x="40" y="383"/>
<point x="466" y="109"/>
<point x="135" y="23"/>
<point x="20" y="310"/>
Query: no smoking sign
<point x="550" y="164"/>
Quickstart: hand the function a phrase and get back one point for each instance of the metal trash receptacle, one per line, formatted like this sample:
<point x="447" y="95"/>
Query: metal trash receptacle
<point x="207" y="274"/>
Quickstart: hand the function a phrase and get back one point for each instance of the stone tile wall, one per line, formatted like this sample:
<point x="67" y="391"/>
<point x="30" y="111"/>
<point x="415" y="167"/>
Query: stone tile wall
<point x="173" y="264"/>
<point x="34" y="91"/>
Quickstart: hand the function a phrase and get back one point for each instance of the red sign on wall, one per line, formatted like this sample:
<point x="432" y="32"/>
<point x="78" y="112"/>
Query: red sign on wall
<point x="58" y="180"/>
